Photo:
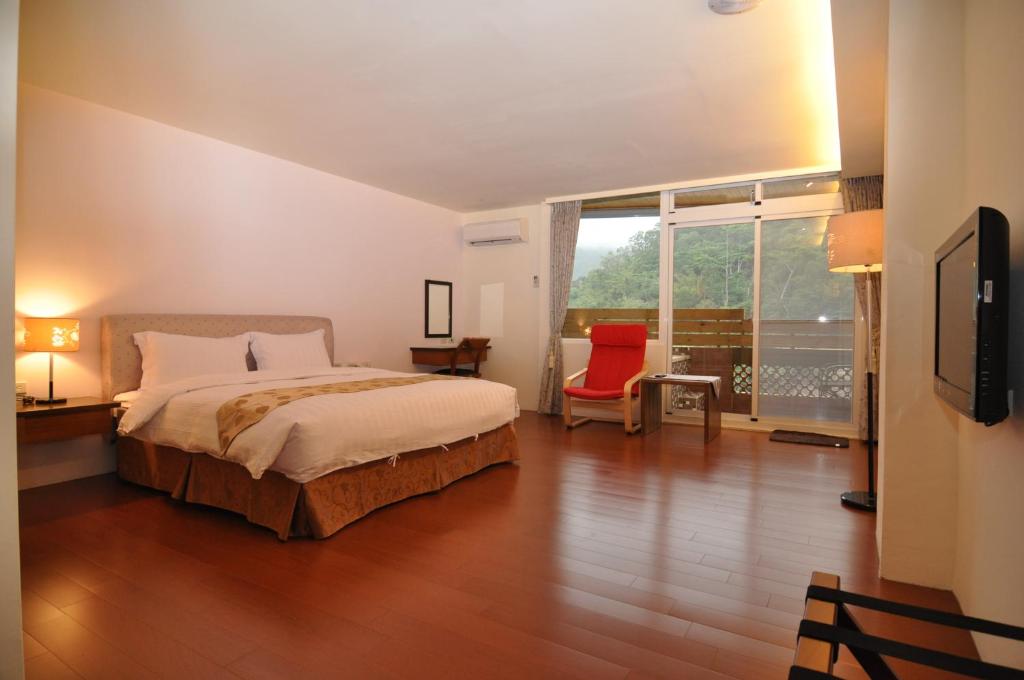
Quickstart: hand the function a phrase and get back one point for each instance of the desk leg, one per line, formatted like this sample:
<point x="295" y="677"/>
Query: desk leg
<point x="712" y="414"/>
<point x="650" y="407"/>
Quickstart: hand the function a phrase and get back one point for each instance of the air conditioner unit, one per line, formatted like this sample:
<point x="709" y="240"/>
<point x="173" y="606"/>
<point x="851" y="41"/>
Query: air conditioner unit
<point x="496" y="233"/>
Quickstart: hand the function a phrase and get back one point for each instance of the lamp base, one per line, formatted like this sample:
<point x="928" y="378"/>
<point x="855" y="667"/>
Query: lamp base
<point x="862" y="500"/>
<point x="55" y="400"/>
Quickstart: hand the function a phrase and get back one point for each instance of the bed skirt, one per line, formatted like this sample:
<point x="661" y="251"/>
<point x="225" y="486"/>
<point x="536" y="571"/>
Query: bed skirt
<point x="322" y="506"/>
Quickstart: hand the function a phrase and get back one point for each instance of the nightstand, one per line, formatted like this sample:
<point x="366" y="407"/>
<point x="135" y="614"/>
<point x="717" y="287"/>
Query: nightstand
<point x="52" y="422"/>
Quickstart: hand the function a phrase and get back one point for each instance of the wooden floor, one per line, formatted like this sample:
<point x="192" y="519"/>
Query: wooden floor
<point x="598" y="556"/>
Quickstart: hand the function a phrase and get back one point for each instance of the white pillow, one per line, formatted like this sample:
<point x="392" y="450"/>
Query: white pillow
<point x="168" y="358"/>
<point x="301" y="350"/>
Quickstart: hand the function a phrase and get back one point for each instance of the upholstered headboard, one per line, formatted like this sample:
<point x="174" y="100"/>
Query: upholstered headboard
<point x="121" y="362"/>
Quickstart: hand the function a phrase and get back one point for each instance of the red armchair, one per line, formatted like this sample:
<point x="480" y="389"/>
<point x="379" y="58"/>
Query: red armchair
<point x="612" y="381"/>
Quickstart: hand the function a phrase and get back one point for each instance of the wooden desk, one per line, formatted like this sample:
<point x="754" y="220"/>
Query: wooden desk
<point x="651" y="409"/>
<point x="439" y="355"/>
<point x="53" y="422"/>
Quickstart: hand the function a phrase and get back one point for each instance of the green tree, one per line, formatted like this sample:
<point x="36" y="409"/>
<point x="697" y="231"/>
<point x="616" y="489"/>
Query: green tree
<point x="714" y="269"/>
<point x="795" y="280"/>
<point x="626" y="278"/>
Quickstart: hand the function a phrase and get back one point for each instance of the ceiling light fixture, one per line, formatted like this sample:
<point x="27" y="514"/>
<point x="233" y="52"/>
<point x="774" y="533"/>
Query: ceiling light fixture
<point x="732" y="6"/>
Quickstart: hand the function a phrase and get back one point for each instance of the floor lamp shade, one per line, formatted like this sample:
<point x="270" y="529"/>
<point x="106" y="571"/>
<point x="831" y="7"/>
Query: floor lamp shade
<point x="51" y="335"/>
<point x="855" y="242"/>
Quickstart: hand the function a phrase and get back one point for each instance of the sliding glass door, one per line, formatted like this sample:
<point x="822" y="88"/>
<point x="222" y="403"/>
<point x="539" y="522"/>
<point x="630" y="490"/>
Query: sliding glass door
<point x="752" y="300"/>
<point x="712" y="307"/>
<point x="806" y="325"/>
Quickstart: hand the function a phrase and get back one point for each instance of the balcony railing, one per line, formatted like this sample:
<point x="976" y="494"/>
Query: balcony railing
<point x="690" y="327"/>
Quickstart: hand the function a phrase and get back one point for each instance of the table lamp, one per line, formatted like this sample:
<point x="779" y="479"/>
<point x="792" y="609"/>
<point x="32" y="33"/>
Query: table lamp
<point x="855" y="247"/>
<point x="51" y="335"/>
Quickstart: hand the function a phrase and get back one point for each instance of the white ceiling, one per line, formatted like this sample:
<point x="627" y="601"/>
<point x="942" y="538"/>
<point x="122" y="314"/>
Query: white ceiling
<point x="861" y="37"/>
<point x="469" y="104"/>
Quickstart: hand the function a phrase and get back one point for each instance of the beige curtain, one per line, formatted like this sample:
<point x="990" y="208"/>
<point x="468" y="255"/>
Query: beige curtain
<point x="865" y="193"/>
<point x="565" y="225"/>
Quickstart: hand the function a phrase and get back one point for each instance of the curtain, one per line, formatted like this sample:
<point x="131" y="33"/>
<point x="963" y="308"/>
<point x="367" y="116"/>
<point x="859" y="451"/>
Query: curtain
<point x="865" y="193"/>
<point x="565" y="225"/>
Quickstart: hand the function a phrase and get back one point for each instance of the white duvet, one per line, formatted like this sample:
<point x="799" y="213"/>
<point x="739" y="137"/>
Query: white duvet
<point x="311" y="437"/>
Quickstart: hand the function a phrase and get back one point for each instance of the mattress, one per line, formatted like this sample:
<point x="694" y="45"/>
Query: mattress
<point x="312" y="437"/>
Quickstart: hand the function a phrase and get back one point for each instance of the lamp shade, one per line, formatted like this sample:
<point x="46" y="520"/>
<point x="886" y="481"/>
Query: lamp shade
<point x="51" y="335"/>
<point x="855" y="241"/>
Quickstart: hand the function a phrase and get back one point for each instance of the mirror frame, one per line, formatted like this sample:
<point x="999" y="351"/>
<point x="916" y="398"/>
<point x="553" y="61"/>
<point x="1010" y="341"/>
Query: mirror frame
<point x="426" y="308"/>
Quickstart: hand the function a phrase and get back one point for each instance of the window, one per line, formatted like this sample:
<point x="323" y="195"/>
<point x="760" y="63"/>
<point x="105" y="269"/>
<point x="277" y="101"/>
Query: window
<point x="806" y="330"/>
<point x="748" y="296"/>
<point x="801" y="186"/>
<point x="703" y="196"/>
<point x="755" y="304"/>
<point x="712" y="303"/>
<point x="615" y="273"/>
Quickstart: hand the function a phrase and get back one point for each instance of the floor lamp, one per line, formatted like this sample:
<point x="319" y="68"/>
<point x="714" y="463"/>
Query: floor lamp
<point x="855" y="246"/>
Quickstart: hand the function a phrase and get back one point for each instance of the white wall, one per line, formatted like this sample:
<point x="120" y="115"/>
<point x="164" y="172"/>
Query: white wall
<point x="11" y="663"/>
<point x="518" y="357"/>
<point x="952" y="508"/>
<point x="515" y="357"/>
<point x="990" y="508"/>
<point x="923" y="176"/>
<point x="117" y="213"/>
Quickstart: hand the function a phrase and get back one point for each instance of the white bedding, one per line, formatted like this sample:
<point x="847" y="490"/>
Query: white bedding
<point x="314" y="436"/>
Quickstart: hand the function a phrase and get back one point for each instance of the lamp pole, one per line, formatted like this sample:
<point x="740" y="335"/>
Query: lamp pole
<point x="51" y="399"/>
<point x="867" y="500"/>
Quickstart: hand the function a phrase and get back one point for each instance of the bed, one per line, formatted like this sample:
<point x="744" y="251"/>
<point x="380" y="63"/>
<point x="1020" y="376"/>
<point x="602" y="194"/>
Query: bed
<point x="353" y="440"/>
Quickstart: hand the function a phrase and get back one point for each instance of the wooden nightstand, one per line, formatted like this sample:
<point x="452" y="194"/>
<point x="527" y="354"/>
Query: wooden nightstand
<point x="53" y="422"/>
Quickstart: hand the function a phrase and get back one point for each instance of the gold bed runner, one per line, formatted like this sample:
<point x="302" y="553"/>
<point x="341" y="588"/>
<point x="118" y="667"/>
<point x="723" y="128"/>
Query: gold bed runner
<point x="241" y="413"/>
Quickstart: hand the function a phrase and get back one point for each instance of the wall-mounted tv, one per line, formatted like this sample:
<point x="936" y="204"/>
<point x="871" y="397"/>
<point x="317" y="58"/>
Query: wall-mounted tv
<point x="972" y="276"/>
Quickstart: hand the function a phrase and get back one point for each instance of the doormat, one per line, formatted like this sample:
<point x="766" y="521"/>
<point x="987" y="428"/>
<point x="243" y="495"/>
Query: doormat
<point x="793" y="437"/>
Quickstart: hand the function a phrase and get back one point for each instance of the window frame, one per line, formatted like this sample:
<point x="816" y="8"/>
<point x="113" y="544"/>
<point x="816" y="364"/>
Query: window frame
<point x="805" y="205"/>
<point x="756" y="211"/>
<point x="627" y="212"/>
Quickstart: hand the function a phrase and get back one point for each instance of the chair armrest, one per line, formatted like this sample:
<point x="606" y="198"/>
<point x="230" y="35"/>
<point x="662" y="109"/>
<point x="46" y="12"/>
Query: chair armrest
<point x="574" y="376"/>
<point x="627" y="389"/>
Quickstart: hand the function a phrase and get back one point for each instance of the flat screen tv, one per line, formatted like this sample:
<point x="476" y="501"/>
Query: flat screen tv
<point x="972" y="273"/>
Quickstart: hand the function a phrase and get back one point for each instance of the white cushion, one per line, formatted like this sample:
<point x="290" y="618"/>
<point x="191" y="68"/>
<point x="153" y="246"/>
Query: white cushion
<point x="168" y="358"/>
<point x="302" y="350"/>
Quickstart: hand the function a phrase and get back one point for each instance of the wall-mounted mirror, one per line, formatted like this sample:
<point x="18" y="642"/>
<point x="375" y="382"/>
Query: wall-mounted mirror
<point x="438" y="309"/>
